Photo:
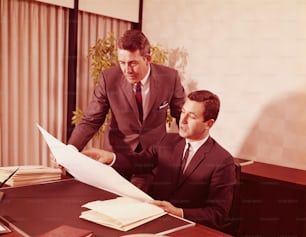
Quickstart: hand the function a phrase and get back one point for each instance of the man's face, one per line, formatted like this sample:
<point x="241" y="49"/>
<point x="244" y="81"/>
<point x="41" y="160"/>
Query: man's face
<point x="192" y="125"/>
<point x="133" y="65"/>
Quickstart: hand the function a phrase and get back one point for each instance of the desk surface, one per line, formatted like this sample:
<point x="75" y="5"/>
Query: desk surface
<point x="38" y="208"/>
<point x="290" y="176"/>
<point x="196" y="231"/>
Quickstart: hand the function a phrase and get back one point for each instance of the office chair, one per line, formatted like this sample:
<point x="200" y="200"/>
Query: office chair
<point x="234" y="218"/>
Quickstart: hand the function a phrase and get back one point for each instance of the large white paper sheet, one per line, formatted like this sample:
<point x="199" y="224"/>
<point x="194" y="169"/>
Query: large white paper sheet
<point x="90" y="171"/>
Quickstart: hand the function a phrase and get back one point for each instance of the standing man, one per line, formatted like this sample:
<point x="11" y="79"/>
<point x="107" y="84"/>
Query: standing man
<point x="138" y="94"/>
<point x="195" y="175"/>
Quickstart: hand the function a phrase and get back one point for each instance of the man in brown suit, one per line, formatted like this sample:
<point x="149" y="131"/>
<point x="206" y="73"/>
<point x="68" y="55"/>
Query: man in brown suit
<point x="133" y="126"/>
<point x="195" y="175"/>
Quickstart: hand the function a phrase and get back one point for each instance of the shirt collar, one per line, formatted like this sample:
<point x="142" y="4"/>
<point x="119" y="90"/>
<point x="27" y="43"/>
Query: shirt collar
<point x="145" y="80"/>
<point x="196" y="144"/>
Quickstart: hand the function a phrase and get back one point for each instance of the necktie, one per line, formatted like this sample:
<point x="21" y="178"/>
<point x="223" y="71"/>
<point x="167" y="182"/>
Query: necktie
<point x="138" y="97"/>
<point x="185" y="158"/>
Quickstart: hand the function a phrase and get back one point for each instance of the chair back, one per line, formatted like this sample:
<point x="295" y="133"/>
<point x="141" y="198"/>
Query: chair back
<point x="234" y="218"/>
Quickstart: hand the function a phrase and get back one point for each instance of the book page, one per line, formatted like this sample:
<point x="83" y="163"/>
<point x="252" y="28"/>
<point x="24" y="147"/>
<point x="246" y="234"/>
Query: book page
<point x="90" y="171"/>
<point x="124" y="209"/>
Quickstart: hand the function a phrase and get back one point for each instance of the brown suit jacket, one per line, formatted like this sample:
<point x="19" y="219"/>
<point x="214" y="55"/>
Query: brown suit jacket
<point x="204" y="191"/>
<point x="125" y="130"/>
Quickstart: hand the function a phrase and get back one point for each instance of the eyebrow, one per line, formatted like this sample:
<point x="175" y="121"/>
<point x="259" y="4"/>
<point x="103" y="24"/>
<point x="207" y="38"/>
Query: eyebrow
<point x="194" y="114"/>
<point x="190" y="112"/>
<point x="132" y="61"/>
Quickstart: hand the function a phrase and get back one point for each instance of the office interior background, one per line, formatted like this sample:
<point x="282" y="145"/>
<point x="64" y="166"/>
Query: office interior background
<point x="252" y="53"/>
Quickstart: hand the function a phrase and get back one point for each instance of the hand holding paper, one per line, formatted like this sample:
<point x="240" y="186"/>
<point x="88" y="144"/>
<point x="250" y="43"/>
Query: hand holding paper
<point x="100" y="155"/>
<point x="168" y="207"/>
<point x="90" y="171"/>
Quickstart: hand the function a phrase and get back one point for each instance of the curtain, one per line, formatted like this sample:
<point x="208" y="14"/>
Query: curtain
<point x="33" y="74"/>
<point x="90" y="28"/>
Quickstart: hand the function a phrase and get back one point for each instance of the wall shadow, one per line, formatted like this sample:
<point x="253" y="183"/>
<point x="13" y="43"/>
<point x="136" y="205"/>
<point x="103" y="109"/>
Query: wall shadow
<point x="279" y="134"/>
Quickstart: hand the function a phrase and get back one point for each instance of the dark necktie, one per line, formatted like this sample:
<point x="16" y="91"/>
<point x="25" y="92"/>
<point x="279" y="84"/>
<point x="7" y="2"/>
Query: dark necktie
<point x="185" y="158"/>
<point x="139" y="99"/>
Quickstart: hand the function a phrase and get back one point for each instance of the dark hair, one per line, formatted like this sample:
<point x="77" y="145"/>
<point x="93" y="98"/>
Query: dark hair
<point x="133" y="40"/>
<point x="211" y="103"/>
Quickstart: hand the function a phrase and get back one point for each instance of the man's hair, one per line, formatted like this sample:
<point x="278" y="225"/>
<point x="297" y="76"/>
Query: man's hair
<point x="211" y="103"/>
<point x="133" y="40"/>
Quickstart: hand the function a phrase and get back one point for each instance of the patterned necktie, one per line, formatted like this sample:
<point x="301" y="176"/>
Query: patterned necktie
<point x="185" y="158"/>
<point x="138" y="97"/>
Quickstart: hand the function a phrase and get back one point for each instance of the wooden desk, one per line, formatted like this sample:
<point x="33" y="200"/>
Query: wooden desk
<point x="38" y="208"/>
<point x="273" y="201"/>
<point x="196" y="231"/>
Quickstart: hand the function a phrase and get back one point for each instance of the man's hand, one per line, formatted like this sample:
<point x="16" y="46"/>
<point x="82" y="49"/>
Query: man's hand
<point x="100" y="155"/>
<point x="168" y="207"/>
<point x="54" y="164"/>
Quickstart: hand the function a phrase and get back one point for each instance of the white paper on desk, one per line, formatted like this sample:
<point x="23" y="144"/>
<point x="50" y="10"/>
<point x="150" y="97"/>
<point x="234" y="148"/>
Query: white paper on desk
<point x="90" y="171"/>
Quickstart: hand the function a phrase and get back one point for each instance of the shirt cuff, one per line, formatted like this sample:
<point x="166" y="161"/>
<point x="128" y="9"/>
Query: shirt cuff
<point x="182" y="212"/>
<point x="114" y="160"/>
<point x="72" y="147"/>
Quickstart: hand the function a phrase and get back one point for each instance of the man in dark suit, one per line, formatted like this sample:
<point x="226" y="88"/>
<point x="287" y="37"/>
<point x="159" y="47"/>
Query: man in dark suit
<point x="135" y="124"/>
<point x="196" y="182"/>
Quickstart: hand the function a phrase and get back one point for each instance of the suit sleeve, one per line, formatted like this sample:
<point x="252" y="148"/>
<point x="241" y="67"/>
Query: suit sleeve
<point x="219" y="199"/>
<point x="178" y="99"/>
<point x="136" y="163"/>
<point x="94" y="116"/>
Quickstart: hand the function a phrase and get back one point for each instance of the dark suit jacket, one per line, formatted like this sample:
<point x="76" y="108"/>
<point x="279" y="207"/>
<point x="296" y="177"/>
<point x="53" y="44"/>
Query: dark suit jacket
<point x="204" y="191"/>
<point x="125" y="130"/>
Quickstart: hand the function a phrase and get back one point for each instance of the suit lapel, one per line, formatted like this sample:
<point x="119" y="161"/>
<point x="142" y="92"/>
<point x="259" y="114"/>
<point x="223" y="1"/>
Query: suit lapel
<point x="197" y="159"/>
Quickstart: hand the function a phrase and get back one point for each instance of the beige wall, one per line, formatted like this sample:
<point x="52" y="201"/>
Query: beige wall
<point x="252" y="53"/>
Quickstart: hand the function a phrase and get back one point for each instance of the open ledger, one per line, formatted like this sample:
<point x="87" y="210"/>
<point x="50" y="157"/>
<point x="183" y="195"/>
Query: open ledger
<point x="121" y="213"/>
<point x="126" y="212"/>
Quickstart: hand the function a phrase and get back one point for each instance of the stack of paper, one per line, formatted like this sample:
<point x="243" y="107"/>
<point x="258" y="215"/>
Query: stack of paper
<point x="27" y="175"/>
<point x="121" y="213"/>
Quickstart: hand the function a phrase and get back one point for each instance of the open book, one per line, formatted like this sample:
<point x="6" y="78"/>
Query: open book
<point x="121" y="213"/>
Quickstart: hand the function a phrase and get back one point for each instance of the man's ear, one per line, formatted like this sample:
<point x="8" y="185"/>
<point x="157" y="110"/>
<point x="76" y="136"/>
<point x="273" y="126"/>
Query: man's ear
<point x="210" y="122"/>
<point x="148" y="57"/>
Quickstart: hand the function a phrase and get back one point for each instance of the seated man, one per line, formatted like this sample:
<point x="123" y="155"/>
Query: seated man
<point x="195" y="175"/>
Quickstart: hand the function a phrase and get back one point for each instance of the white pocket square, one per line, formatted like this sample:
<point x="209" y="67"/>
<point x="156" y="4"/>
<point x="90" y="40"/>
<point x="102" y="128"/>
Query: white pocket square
<point x="163" y="105"/>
